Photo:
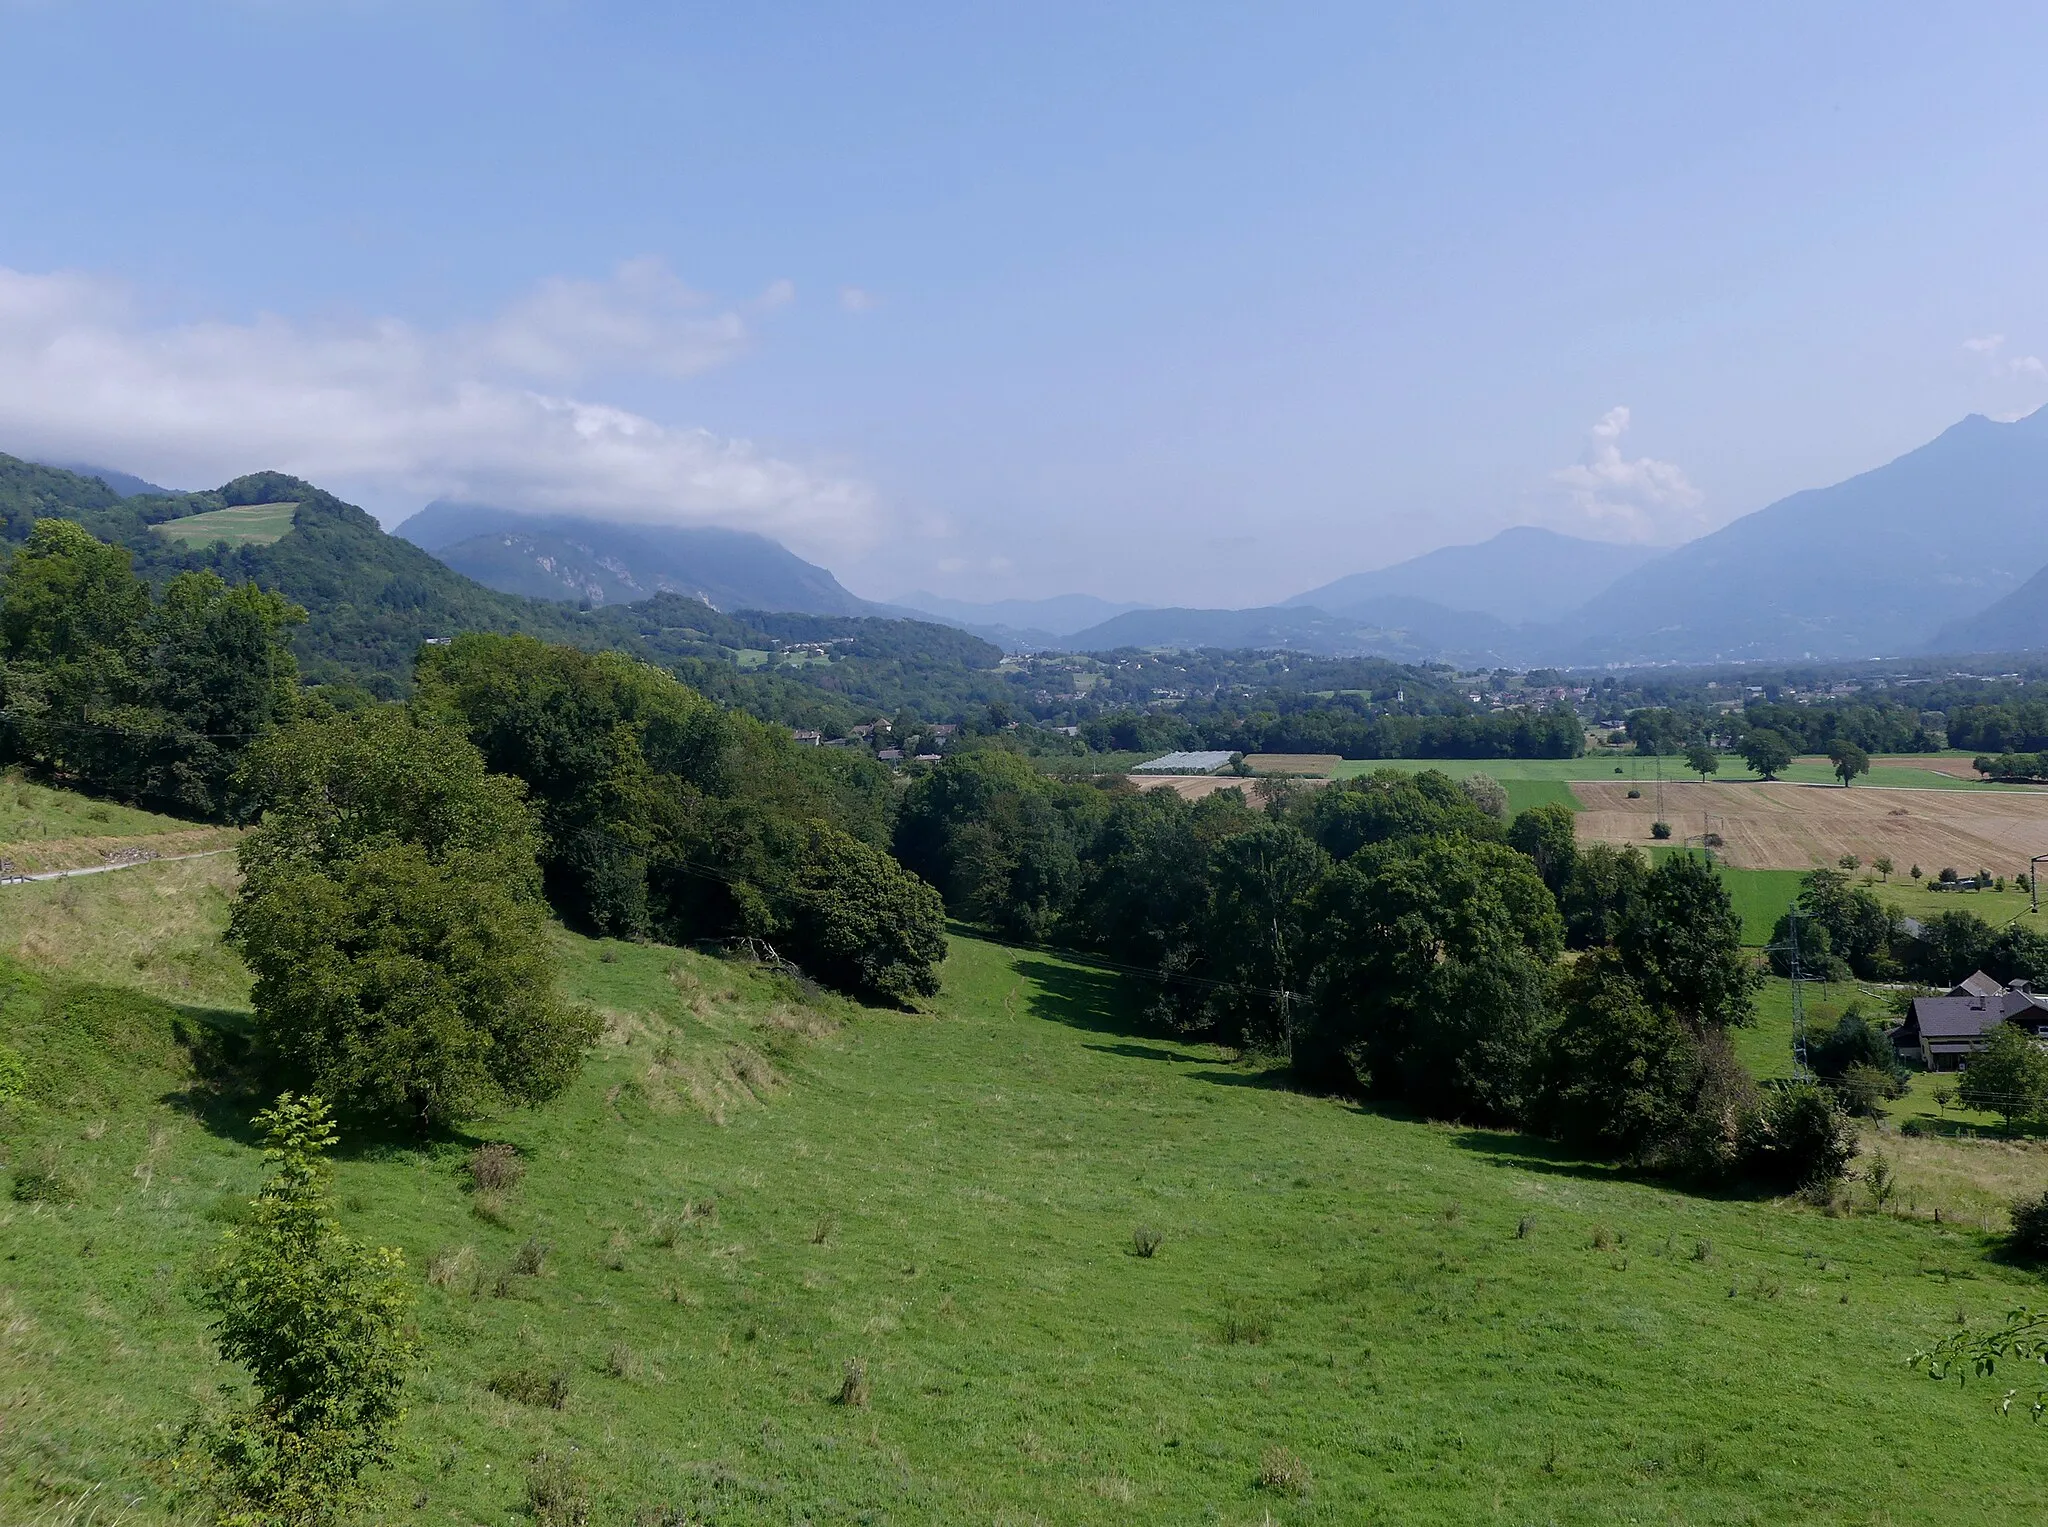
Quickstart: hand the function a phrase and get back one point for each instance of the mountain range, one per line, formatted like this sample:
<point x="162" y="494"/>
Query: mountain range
<point x="1944" y="549"/>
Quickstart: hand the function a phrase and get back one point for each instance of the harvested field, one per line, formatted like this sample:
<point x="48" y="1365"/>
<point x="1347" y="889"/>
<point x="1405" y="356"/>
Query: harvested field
<point x="1193" y="787"/>
<point x="1788" y="826"/>
<point x="1293" y="763"/>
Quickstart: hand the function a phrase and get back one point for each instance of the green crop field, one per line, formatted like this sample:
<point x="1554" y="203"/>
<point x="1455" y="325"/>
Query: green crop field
<point x="1353" y="1315"/>
<point x="243" y="525"/>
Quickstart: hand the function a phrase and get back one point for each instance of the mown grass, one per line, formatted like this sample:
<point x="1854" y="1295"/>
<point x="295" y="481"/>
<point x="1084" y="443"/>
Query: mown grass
<point x="240" y="525"/>
<point x="754" y="1195"/>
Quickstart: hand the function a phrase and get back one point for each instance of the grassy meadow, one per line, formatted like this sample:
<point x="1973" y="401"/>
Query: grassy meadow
<point x="241" y="525"/>
<point x="1352" y="1315"/>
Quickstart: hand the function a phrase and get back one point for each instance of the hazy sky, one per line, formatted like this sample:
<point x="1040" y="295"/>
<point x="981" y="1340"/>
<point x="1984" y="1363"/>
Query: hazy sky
<point x="1184" y="303"/>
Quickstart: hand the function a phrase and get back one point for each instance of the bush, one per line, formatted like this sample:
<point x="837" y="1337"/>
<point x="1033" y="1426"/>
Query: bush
<point x="1863" y="1087"/>
<point x="1660" y="830"/>
<point x="1145" y="1242"/>
<point x="1284" y="1473"/>
<point x="495" y="1168"/>
<point x="531" y="1386"/>
<point x="321" y="1324"/>
<point x="2029" y="1238"/>
<point x="853" y="1389"/>
<point x="1799" y="1139"/>
<point x="555" y="1493"/>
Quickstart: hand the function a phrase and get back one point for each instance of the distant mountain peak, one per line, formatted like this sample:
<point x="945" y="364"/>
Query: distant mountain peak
<point x="588" y="558"/>
<point x="1522" y="575"/>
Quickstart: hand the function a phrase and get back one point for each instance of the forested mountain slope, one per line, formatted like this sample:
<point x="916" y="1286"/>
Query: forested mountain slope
<point x="578" y="558"/>
<point x="372" y="599"/>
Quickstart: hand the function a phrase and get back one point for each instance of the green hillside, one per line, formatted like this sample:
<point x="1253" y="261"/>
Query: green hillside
<point x="373" y="598"/>
<point x="1352" y="1315"/>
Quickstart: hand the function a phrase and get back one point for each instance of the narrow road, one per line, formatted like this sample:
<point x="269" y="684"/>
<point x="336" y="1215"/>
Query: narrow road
<point x="108" y="869"/>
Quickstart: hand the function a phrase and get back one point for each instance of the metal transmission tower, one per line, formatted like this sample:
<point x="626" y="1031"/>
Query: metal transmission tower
<point x="1790" y="948"/>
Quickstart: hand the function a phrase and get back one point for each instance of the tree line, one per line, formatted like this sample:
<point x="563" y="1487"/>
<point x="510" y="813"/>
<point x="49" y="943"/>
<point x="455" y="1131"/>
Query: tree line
<point x="1393" y="936"/>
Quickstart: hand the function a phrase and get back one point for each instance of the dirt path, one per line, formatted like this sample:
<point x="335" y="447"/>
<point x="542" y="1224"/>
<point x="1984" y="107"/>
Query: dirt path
<point x="108" y="869"/>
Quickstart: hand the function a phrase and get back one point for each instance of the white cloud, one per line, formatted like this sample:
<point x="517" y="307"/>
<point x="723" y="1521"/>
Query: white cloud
<point x="857" y="300"/>
<point x="2013" y="367"/>
<point x="1641" y="499"/>
<point x="409" y="413"/>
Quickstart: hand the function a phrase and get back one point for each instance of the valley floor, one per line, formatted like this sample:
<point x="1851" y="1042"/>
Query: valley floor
<point x="1352" y="1316"/>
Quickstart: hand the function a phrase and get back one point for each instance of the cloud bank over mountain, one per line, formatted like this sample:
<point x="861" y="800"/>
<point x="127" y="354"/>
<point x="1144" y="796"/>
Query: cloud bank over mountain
<point x="477" y="411"/>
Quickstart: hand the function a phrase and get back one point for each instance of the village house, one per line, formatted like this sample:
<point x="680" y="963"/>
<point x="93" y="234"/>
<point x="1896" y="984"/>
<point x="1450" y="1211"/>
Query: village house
<point x="1944" y="1032"/>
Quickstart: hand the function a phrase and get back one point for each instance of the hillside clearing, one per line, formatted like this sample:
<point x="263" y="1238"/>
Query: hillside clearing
<point x="241" y="525"/>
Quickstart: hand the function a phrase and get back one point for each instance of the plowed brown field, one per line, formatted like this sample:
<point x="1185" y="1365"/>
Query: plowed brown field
<point x="1783" y="826"/>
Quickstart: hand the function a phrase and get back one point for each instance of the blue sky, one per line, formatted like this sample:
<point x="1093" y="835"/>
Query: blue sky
<point x="1183" y="303"/>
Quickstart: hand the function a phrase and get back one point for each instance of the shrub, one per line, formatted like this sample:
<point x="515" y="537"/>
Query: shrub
<point x="531" y="1386"/>
<point x="1800" y="1138"/>
<point x="555" y="1494"/>
<point x="1145" y="1242"/>
<point x="1633" y="794"/>
<point x="321" y="1324"/>
<point x="1862" y="1088"/>
<point x="853" y="1390"/>
<point x="446" y="1266"/>
<point x="1283" y="1472"/>
<point x="495" y="1168"/>
<point x="531" y="1259"/>
<point x="1660" y="830"/>
<point x="2029" y="1238"/>
<point x="622" y="1362"/>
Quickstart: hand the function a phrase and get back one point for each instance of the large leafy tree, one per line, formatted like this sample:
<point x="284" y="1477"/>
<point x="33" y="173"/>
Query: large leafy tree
<point x="390" y="911"/>
<point x="1767" y="752"/>
<point x="1682" y="944"/>
<point x="1392" y="803"/>
<point x="997" y="838"/>
<point x="1260" y="881"/>
<point x="1433" y="977"/>
<point x="2008" y="1077"/>
<point x="1602" y="893"/>
<point x="1848" y="760"/>
<point x="1548" y="834"/>
<point x="857" y="920"/>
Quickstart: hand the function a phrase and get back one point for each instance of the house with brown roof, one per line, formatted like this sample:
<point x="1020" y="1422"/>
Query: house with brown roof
<point x="1944" y="1032"/>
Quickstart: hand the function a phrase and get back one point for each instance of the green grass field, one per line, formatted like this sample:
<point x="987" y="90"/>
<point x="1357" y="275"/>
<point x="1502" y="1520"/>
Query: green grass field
<point x="243" y="525"/>
<point x="1354" y="1315"/>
